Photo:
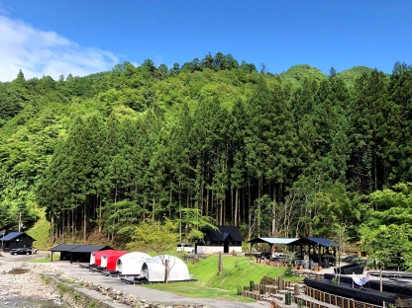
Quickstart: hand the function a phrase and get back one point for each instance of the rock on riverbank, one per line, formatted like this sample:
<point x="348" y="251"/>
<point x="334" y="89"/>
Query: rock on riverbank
<point x="21" y="284"/>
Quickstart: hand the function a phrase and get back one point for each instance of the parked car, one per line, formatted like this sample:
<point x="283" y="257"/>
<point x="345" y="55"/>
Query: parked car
<point x="268" y="256"/>
<point x="350" y="259"/>
<point x="21" y="251"/>
<point x="185" y="247"/>
<point x="265" y="256"/>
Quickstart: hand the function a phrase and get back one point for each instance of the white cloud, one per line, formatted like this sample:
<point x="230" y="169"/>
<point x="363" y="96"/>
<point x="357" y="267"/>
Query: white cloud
<point x="39" y="53"/>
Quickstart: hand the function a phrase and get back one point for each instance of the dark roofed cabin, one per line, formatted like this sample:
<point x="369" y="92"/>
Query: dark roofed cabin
<point x="226" y="239"/>
<point x="76" y="252"/>
<point x="16" y="240"/>
<point x="64" y="250"/>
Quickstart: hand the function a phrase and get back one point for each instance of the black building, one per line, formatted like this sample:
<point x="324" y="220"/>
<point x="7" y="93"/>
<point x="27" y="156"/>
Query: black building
<point x="226" y="239"/>
<point x="16" y="240"/>
<point x="76" y="252"/>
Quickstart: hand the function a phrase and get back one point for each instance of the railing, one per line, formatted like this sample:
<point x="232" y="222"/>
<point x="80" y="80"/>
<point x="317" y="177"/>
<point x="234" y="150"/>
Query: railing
<point x="337" y="300"/>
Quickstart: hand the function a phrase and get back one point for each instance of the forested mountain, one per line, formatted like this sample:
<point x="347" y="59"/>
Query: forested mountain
<point x="300" y="153"/>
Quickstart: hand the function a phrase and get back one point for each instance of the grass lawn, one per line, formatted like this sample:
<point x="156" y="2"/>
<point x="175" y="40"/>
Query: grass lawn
<point x="237" y="272"/>
<point x="41" y="260"/>
<point x="197" y="290"/>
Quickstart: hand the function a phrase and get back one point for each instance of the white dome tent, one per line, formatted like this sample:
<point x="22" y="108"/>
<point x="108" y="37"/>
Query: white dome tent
<point x="154" y="269"/>
<point x="131" y="263"/>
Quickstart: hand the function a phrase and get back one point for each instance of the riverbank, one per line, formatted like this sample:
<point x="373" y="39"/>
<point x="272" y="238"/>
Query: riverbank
<point x="21" y="285"/>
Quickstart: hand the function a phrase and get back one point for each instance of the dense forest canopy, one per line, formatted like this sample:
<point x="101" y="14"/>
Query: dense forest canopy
<point x="209" y="141"/>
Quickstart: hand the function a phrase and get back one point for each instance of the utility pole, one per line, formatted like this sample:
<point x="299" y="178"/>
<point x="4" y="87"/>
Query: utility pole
<point x="19" y="221"/>
<point x="2" y="236"/>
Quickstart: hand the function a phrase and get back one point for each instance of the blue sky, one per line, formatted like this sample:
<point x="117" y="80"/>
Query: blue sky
<point x="46" y="37"/>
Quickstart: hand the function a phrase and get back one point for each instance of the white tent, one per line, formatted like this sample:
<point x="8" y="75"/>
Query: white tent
<point x="131" y="263"/>
<point x="154" y="269"/>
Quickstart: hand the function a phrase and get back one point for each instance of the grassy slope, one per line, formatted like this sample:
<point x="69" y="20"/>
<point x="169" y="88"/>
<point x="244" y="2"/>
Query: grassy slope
<point x="237" y="271"/>
<point x="41" y="232"/>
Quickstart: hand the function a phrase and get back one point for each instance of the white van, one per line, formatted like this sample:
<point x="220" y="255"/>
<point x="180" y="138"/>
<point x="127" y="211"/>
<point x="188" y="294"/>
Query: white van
<point x="185" y="247"/>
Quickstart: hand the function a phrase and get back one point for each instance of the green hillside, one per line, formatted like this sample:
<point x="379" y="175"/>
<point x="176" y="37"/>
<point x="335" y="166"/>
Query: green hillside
<point x="298" y="73"/>
<point x="212" y="141"/>
<point x="349" y="76"/>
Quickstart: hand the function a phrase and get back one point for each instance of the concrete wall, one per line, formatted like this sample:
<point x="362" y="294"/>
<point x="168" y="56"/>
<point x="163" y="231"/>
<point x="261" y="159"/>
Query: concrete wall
<point x="214" y="250"/>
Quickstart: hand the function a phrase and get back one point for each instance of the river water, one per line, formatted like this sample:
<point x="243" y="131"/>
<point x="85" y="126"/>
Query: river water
<point x="31" y="303"/>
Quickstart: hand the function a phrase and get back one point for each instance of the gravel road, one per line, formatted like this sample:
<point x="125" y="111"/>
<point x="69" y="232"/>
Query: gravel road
<point x="20" y="281"/>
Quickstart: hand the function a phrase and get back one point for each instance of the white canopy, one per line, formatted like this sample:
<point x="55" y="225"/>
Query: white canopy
<point x="131" y="263"/>
<point x="273" y="240"/>
<point x="154" y="269"/>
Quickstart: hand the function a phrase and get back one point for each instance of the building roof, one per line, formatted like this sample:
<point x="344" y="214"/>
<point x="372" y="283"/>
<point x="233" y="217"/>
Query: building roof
<point x="314" y="241"/>
<point x="13" y="235"/>
<point x="223" y="232"/>
<point x="64" y="247"/>
<point x="273" y="240"/>
<point x="78" y="248"/>
<point x="89" y="248"/>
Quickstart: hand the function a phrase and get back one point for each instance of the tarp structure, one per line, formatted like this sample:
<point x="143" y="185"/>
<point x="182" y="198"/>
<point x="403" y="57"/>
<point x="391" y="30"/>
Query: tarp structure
<point x="360" y="280"/>
<point x="273" y="240"/>
<point x="315" y="241"/>
<point x="154" y="269"/>
<point x="109" y="259"/>
<point x="131" y="263"/>
<point x="318" y="249"/>
<point x="96" y="257"/>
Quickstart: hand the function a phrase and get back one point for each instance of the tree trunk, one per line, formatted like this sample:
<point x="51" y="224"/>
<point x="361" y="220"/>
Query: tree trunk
<point x="84" y="222"/>
<point x="63" y="226"/>
<point x="235" y="214"/>
<point x="166" y="264"/>
<point x="153" y="208"/>
<point x="232" y="210"/>
<point x="74" y="229"/>
<point x="52" y="231"/>
<point x="207" y="203"/>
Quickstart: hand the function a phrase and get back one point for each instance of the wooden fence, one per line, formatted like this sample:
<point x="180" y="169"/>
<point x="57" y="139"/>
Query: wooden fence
<point x="335" y="300"/>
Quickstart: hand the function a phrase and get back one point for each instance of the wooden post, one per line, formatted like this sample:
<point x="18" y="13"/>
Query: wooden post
<point x="220" y="264"/>
<point x="296" y="289"/>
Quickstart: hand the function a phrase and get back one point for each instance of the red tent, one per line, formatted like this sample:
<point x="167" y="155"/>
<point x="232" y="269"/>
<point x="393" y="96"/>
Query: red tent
<point x="109" y="259"/>
<point x="96" y="256"/>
